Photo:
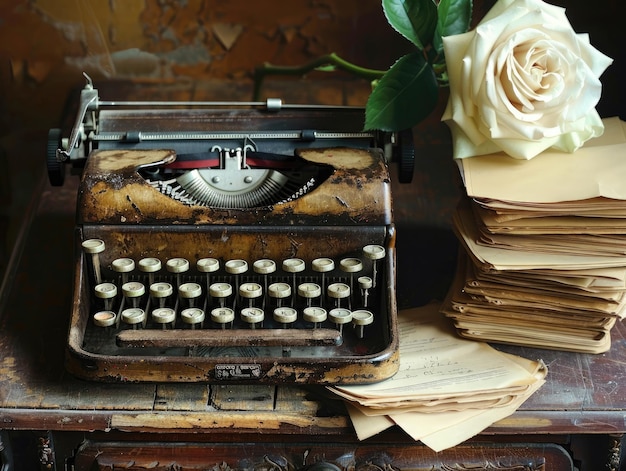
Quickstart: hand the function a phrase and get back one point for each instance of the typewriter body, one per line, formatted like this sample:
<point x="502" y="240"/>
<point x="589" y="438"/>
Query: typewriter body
<point x="214" y="242"/>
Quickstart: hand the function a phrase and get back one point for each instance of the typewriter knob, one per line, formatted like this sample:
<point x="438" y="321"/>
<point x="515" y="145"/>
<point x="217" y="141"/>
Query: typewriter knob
<point x="56" y="170"/>
<point x="106" y="291"/>
<point x="177" y="265"/>
<point x="405" y="154"/>
<point x="338" y="291"/>
<point x="236" y="267"/>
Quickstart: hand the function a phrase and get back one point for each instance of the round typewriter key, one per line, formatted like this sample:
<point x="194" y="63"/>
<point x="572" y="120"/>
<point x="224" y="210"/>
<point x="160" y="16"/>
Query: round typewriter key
<point x="94" y="247"/>
<point x="365" y="283"/>
<point x="323" y="265"/>
<point x="104" y="318"/>
<point x="106" y="291"/>
<point x="309" y="291"/>
<point x="164" y="316"/>
<point x="339" y="317"/>
<point x="149" y="265"/>
<point x="177" y="265"/>
<point x="374" y="253"/>
<point x="160" y="291"/>
<point x="221" y="291"/>
<point x="208" y="265"/>
<point x="338" y="291"/>
<point x="315" y="315"/>
<point x="123" y="266"/>
<point x="134" y="317"/>
<point x="279" y="291"/>
<point x="133" y="291"/>
<point x="351" y="266"/>
<point x="252" y="316"/>
<point x="285" y="316"/>
<point x="250" y="291"/>
<point x="264" y="266"/>
<point x="190" y="292"/>
<point x="361" y="318"/>
<point x="192" y="316"/>
<point x="223" y="316"/>
<point x="236" y="267"/>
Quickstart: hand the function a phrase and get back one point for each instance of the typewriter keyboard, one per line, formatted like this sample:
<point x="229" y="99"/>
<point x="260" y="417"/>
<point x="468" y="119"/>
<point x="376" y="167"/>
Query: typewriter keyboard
<point x="276" y="307"/>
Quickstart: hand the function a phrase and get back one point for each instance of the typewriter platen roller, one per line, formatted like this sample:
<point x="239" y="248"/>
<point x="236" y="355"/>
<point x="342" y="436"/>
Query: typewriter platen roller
<point x="248" y="243"/>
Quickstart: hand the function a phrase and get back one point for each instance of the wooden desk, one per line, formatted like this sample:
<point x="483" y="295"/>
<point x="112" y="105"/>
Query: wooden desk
<point x="578" y="415"/>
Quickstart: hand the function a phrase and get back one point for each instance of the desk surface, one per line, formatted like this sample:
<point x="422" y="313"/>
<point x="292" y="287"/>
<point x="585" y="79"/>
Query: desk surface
<point x="583" y="394"/>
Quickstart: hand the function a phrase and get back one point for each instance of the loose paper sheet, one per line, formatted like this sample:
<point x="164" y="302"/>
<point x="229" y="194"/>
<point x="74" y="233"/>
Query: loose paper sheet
<point x="458" y="386"/>
<point x="596" y="170"/>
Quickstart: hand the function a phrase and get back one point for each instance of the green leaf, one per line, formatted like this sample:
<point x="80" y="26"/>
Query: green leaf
<point x="416" y="20"/>
<point x="454" y="17"/>
<point x="404" y="96"/>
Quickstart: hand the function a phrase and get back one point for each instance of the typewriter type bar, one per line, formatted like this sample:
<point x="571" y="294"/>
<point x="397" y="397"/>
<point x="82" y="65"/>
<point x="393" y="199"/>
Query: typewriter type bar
<point x="230" y="245"/>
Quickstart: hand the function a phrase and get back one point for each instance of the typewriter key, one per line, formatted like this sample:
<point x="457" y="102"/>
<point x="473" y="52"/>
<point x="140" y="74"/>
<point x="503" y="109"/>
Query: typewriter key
<point x="208" y="266"/>
<point x="192" y="316"/>
<point x="160" y="291"/>
<point x="190" y="292"/>
<point x="123" y="266"/>
<point x="374" y="253"/>
<point x="285" y="316"/>
<point x="323" y="266"/>
<point x="309" y="291"/>
<point x="104" y="318"/>
<point x="338" y="291"/>
<point x="250" y="291"/>
<point x="253" y="316"/>
<point x="264" y="267"/>
<point x="223" y="316"/>
<point x="339" y="317"/>
<point x="365" y="283"/>
<point x="279" y="291"/>
<point x="236" y="267"/>
<point x="315" y="315"/>
<point x="134" y="317"/>
<point x="164" y="316"/>
<point x="177" y="266"/>
<point x="149" y="265"/>
<point x="293" y="266"/>
<point x="133" y="291"/>
<point x="106" y="291"/>
<point x="220" y="292"/>
<point x="94" y="247"/>
<point x="361" y="318"/>
<point x="351" y="266"/>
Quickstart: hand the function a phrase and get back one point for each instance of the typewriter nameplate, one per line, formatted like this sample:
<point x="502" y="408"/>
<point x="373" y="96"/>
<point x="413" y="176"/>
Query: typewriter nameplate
<point x="250" y="371"/>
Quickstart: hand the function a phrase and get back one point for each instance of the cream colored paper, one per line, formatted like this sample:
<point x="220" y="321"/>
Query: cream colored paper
<point x="596" y="170"/>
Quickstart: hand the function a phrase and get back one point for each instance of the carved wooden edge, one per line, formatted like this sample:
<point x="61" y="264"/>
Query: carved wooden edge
<point x="320" y="457"/>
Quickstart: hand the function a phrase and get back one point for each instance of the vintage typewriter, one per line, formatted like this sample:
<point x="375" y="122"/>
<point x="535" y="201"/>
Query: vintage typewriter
<point x="241" y="242"/>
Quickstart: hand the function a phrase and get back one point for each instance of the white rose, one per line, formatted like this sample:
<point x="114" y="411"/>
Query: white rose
<point x="521" y="82"/>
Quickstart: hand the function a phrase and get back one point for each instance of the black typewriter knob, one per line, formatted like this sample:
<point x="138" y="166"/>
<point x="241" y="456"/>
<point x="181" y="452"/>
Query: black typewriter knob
<point x="56" y="171"/>
<point x="405" y="155"/>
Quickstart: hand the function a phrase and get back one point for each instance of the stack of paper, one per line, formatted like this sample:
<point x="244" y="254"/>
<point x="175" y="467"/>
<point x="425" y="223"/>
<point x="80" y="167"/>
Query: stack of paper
<point x="447" y="389"/>
<point x="544" y="247"/>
